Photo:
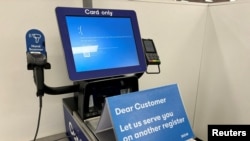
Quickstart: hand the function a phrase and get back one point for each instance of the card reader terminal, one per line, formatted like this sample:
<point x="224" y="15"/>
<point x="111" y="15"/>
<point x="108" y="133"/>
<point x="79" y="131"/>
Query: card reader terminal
<point x="150" y="52"/>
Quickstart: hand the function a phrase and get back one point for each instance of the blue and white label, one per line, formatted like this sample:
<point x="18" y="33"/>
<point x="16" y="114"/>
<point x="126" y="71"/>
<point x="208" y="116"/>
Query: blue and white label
<point x="150" y="115"/>
<point x="98" y="12"/>
<point x="35" y="41"/>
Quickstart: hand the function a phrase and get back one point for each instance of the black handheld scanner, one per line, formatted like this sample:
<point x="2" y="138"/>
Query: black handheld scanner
<point x="37" y="58"/>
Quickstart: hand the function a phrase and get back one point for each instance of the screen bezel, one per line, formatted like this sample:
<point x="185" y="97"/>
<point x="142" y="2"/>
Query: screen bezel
<point x="62" y="12"/>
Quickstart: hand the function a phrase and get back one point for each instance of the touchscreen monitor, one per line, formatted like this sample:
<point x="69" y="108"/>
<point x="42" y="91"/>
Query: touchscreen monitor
<point x="100" y="43"/>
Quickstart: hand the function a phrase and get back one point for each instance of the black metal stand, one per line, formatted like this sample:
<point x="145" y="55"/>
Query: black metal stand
<point x="37" y="63"/>
<point x="98" y="90"/>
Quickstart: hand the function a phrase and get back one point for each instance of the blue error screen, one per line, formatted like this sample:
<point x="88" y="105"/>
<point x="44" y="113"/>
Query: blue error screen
<point x="99" y="43"/>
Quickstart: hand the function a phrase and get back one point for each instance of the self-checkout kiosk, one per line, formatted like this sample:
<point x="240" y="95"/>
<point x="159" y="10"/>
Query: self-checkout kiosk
<point x="105" y="56"/>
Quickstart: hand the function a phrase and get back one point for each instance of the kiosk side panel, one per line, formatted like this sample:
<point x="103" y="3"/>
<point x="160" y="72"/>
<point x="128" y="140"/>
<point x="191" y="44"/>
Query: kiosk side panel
<point x="73" y="130"/>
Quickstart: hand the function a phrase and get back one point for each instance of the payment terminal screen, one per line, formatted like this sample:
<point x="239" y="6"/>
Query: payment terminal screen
<point x="99" y="43"/>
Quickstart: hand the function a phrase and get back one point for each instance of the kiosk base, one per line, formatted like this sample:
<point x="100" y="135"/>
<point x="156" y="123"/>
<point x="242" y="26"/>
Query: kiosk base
<point x="76" y="128"/>
<point x="82" y="112"/>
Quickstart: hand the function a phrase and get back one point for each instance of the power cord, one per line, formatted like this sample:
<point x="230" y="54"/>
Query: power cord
<point x="39" y="117"/>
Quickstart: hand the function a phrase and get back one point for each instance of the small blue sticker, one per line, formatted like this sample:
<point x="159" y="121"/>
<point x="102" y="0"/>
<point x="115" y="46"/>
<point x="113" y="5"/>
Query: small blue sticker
<point x="35" y="41"/>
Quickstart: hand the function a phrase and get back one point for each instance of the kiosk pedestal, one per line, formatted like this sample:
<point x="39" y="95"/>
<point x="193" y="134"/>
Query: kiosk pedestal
<point x="164" y="117"/>
<point x="82" y="112"/>
<point x="76" y="128"/>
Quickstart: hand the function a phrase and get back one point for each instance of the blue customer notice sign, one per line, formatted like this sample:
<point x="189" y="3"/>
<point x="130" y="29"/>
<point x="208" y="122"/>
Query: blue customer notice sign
<point x="156" y="114"/>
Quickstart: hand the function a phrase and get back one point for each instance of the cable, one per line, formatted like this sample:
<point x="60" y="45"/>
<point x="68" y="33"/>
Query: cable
<point x="39" y="117"/>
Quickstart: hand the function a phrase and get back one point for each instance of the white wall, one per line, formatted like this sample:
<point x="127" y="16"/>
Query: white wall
<point x="225" y="78"/>
<point x="223" y="86"/>
<point x="184" y="33"/>
<point x="178" y="30"/>
<point x="178" y="35"/>
<point x="18" y="101"/>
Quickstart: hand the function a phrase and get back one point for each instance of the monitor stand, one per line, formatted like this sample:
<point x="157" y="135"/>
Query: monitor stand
<point x="91" y="97"/>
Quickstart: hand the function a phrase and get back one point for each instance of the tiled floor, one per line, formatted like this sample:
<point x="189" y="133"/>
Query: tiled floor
<point x="57" y="137"/>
